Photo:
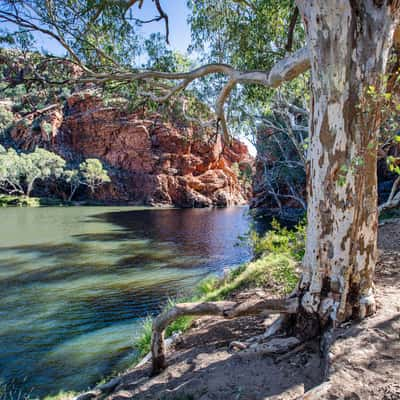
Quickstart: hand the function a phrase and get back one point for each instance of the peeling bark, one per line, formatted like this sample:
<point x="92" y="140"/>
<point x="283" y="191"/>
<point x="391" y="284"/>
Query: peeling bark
<point x="349" y="43"/>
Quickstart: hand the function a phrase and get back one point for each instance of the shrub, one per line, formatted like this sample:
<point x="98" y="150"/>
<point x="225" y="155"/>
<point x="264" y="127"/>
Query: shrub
<point x="93" y="174"/>
<point x="280" y="240"/>
<point x="6" y="119"/>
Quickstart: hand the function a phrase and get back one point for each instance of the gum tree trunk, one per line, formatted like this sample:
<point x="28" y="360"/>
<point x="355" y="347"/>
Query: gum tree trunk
<point x="349" y="43"/>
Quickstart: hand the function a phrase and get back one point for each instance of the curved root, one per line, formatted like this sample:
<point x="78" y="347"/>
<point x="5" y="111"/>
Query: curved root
<point x="226" y="309"/>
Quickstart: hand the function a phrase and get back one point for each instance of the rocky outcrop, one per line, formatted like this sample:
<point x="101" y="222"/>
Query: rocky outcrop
<point x="150" y="160"/>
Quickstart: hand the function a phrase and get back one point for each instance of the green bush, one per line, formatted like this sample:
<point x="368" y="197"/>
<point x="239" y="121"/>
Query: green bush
<point x="6" y="119"/>
<point x="19" y="201"/>
<point x="280" y="240"/>
<point x="277" y="272"/>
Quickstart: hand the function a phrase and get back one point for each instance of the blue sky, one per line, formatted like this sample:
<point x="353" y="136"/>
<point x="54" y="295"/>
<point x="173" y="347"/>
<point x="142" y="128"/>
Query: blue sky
<point x="179" y="29"/>
<point x="177" y="13"/>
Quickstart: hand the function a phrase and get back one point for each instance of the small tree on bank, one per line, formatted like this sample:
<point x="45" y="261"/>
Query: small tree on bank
<point x="40" y="165"/>
<point x="11" y="172"/>
<point x="72" y="178"/>
<point x="93" y="174"/>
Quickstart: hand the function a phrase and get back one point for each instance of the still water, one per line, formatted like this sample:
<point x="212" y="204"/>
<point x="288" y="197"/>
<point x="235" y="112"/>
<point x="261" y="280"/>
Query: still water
<point x="75" y="284"/>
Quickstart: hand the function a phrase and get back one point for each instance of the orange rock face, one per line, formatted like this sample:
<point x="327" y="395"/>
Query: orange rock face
<point x="150" y="161"/>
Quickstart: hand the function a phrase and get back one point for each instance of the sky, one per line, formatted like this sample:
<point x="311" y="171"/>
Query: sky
<point x="176" y="10"/>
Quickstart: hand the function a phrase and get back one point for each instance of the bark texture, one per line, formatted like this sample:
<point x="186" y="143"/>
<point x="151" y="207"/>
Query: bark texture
<point x="349" y="43"/>
<point x="226" y="309"/>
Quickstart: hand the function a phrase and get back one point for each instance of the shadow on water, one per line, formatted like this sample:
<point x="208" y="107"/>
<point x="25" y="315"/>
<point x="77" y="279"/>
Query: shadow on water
<point x="77" y="282"/>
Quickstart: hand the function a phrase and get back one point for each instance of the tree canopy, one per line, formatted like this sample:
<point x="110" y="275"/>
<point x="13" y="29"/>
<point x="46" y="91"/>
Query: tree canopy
<point x="239" y="40"/>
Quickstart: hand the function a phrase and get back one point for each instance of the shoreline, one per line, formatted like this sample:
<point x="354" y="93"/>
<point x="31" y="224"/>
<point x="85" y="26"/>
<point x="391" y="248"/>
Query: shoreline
<point x="24" y="201"/>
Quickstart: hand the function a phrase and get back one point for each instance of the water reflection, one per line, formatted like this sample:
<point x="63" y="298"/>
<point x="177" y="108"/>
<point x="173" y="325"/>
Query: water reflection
<point x="75" y="283"/>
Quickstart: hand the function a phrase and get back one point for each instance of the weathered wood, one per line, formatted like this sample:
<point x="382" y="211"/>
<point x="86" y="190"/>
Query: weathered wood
<point x="272" y="346"/>
<point x="316" y="393"/>
<point x="183" y="309"/>
<point x="267" y="306"/>
<point x="226" y="309"/>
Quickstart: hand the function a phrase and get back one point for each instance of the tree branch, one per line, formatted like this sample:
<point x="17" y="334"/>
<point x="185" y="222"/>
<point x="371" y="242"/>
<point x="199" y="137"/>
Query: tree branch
<point x="292" y="25"/>
<point x="226" y="309"/>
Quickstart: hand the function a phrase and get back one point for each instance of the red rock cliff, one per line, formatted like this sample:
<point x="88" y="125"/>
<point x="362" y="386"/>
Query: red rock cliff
<point x="151" y="161"/>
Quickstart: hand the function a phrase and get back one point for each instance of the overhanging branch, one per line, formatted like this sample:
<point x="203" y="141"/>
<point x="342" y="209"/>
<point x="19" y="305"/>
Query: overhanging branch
<point x="284" y="70"/>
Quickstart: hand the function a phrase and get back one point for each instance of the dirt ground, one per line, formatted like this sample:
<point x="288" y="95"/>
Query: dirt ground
<point x="366" y="355"/>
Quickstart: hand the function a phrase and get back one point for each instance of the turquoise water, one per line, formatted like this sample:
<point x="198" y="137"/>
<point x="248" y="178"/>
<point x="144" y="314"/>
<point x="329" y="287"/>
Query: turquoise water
<point x="76" y="283"/>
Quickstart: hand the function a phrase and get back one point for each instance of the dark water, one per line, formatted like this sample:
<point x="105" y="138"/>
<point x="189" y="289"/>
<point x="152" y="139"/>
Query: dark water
<point x="76" y="282"/>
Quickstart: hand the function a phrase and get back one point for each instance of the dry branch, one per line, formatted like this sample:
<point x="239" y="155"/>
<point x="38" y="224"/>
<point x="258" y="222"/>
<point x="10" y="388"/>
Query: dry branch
<point x="394" y="198"/>
<point x="226" y="309"/>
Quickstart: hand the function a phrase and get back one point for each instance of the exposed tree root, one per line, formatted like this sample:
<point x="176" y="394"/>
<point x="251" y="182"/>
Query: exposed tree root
<point x="316" y="392"/>
<point x="226" y="309"/>
<point x="272" y="346"/>
<point x="292" y="321"/>
<point x="278" y="325"/>
<point x="267" y="306"/>
<point x="325" y="347"/>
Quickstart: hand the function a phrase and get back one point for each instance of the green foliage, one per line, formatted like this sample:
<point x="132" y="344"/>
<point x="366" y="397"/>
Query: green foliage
<point x="12" y="172"/>
<point x="143" y="341"/>
<point x="249" y="39"/>
<point x="277" y="272"/>
<point x="393" y="164"/>
<point x="62" y="396"/>
<point x="280" y="240"/>
<point x="161" y="58"/>
<point x="20" y="172"/>
<point x="40" y="164"/>
<point x="19" y="201"/>
<point x="93" y="174"/>
<point x="207" y="285"/>
<point x="6" y="119"/>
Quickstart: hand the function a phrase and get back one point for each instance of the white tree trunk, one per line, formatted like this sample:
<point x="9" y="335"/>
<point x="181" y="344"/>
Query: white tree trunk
<point x="349" y="43"/>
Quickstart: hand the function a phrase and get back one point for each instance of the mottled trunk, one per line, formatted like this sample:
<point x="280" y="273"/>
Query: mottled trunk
<point x="349" y="44"/>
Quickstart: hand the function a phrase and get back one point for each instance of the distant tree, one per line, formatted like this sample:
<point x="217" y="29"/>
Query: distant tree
<point x="40" y="164"/>
<point x="93" y="174"/>
<point x="6" y="118"/>
<point x="11" y="171"/>
<point x="72" y="178"/>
